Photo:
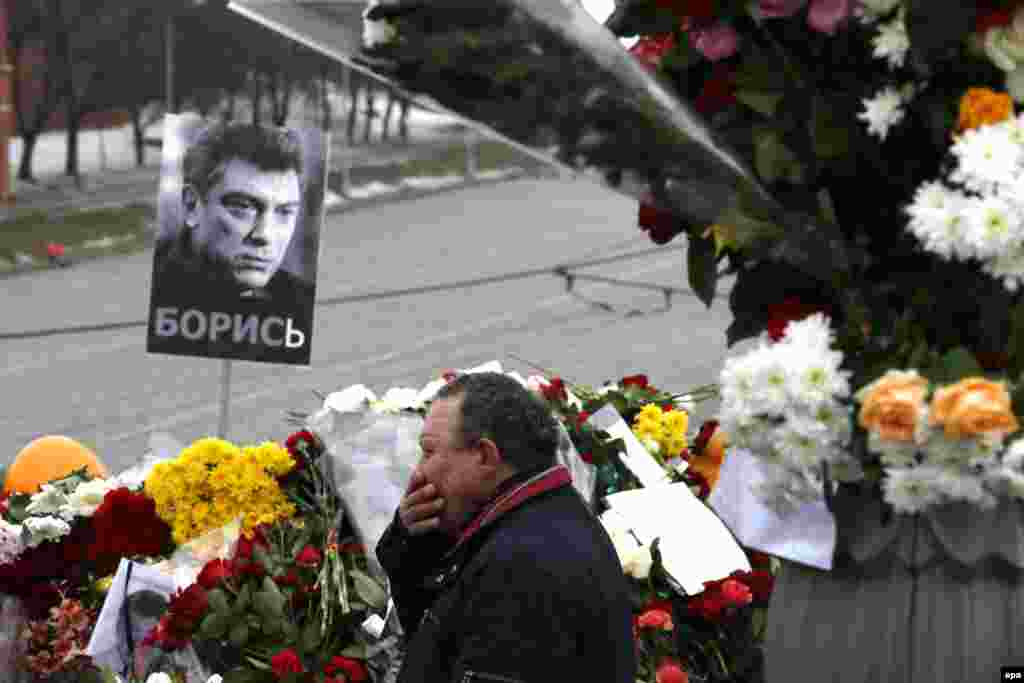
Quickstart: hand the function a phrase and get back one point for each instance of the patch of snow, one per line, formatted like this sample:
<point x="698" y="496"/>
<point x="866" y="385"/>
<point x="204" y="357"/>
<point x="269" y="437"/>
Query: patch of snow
<point x="374" y="189"/>
<point x="432" y="182"/>
<point x="106" y="242"/>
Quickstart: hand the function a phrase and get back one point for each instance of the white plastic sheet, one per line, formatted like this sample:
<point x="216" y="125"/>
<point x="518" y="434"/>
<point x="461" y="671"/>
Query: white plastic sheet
<point x="807" y="536"/>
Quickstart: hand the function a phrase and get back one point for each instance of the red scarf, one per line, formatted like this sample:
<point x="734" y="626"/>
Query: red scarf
<point x="548" y="480"/>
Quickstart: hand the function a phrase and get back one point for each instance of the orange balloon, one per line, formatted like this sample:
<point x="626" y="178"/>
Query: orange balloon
<point x="48" y="458"/>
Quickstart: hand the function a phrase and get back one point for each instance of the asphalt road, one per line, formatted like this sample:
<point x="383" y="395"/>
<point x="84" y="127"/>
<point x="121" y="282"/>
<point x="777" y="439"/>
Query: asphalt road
<point x="103" y="389"/>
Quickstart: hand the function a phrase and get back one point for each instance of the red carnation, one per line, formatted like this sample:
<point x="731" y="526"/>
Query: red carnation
<point x="635" y="381"/>
<point x="309" y="557"/>
<point x="286" y="662"/>
<point x="587" y="457"/>
<point x="353" y="669"/>
<point x="791" y="309"/>
<point x="214" y="573"/>
<point x="554" y="390"/>
<point x="126" y="525"/>
<point x="736" y="593"/>
<point x="581" y="418"/>
<point x="671" y="671"/>
<point x="656" y="619"/>
<point x="660" y="225"/>
<point x="709" y="605"/>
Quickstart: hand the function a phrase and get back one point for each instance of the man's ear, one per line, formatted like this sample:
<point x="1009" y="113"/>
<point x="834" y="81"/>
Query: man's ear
<point x="190" y="203"/>
<point x="490" y="454"/>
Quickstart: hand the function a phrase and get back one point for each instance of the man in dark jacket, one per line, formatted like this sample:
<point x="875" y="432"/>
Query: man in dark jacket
<point x="500" y="573"/>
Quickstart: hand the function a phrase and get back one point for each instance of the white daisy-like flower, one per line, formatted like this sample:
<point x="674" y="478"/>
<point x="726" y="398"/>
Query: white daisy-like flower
<point x="992" y="227"/>
<point x="987" y="158"/>
<point x="159" y="677"/>
<point x="87" y="498"/>
<point x="1008" y="267"/>
<point x="813" y="333"/>
<point x="870" y="11"/>
<point x="912" y="489"/>
<point x="965" y="487"/>
<point x="47" y="501"/>
<point x="883" y="111"/>
<point x="892" y="42"/>
<point x="937" y="220"/>
<point x="46" y="528"/>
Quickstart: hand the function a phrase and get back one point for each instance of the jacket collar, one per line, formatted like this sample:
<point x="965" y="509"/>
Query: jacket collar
<point x="511" y="494"/>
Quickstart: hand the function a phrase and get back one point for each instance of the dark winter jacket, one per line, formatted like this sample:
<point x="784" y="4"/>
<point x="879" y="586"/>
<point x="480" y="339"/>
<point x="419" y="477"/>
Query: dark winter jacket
<point x="532" y="592"/>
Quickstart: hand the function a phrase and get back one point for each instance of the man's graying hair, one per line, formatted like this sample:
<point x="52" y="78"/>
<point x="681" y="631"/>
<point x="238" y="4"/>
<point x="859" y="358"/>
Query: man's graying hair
<point x="499" y="408"/>
<point x="269" y="149"/>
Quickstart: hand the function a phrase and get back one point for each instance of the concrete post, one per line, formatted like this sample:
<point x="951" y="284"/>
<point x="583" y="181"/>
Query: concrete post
<point x="7" y="123"/>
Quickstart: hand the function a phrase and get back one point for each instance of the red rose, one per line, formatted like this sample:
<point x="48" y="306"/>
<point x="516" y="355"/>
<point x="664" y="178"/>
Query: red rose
<point x="992" y="18"/>
<point x="309" y="557"/>
<point x="759" y="581"/>
<point x="554" y="390"/>
<point x="244" y="548"/>
<point x="791" y="309"/>
<point x="214" y="573"/>
<point x="661" y="226"/>
<point x="587" y="457"/>
<point x="353" y="669"/>
<point x="736" y="593"/>
<point x="671" y="671"/>
<point x="656" y="619"/>
<point x="651" y="49"/>
<point x="581" y="418"/>
<point x="635" y="381"/>
<point x="286" y="662"/>
<point x="189" y="606"/>
<point x="126" y="524"/>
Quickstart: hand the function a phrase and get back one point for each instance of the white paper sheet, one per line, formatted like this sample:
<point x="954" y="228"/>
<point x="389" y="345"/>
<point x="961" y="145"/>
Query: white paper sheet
<point x="636" y="458"/>
<point x="807" y="536"/>
<point x="695" y="545"/>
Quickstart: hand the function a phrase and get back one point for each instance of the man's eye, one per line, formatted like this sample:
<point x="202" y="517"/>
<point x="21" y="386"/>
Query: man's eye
<point x="287" y="211"/>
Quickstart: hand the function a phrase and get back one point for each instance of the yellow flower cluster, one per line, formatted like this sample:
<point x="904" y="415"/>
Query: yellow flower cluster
<point x="213" y="481"/>
<point x="662" y="432"/>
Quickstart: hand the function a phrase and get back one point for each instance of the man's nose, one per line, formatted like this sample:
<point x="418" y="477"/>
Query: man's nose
<point x="258" y="234"/>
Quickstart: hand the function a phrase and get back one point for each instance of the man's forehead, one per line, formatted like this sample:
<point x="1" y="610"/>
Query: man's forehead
<point x="246" y="177"/>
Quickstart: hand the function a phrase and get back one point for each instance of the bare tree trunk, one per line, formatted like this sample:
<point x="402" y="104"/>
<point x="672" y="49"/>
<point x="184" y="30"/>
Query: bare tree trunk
<point x="28" y="147"/>
<point x="353" y="107"/>
<point x="256" y="95"/>
<point x="403" y="120"/>
<point x="71" y="159"/>
<point x="371" y="110"/>
<point x="138" y="136"/>
<point x="325" y="102"/>
<point x="229" y="113"/>
<point x="388" y="111"/>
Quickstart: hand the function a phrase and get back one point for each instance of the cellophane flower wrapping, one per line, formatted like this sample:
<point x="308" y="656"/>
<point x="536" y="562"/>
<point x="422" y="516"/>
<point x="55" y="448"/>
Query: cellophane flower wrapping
<point x="371" y="456"/>
<point x="12" y="647"/>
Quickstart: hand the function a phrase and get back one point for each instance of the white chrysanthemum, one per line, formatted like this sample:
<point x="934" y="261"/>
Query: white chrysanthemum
<point x="380" y="32"/>
<point x="892" y="42"/>
<point x="784" y="490"/>
<point x="47" y="501"/>
<point x="813" y="333"/>
<point x="159" y="677"/>
<point x="993" y="227"/>
<point x="938" y="450"/>
<point x="11" y="545"/>
<point x="870" y="11"/>
<point x="845" y="468"/>
<point x="966" y="487"/>
<point x="883" y="111"/>
<point x="912" y="489"/>
<point x="1008" y="267"/>
<point x="45" y="529"/>
<point x="396" y="400"/>
<point x="987" y="158"/>
<point x="937" y="220"/>
<point x="86" y="498"/>
<point x="1013" y="457"/>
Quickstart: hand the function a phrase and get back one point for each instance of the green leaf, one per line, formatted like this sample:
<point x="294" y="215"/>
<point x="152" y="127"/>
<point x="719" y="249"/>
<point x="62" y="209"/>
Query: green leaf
<point x="773" y="159"/>
<point x="242" y="601"/>
<point x="959" y="363"/>
<point x="831" y="137"/>
<point x="826" y="209"/>
<point x="214" y="625"/>
<point x="702" y="268"/>
<point x="219" y="601"/>
<point x="1015" y="346"/>
<point x="239" y="634"/>
<point x="368" y="590"/>
<point x="764" y="102"/>
<point x="355" y="651"/>
<point x="290" y="631"/>
<point x="311" y="637"/>
<point x="269" y="605"/>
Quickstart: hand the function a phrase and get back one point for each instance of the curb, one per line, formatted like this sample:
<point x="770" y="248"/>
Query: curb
<point x="403" y="193"/>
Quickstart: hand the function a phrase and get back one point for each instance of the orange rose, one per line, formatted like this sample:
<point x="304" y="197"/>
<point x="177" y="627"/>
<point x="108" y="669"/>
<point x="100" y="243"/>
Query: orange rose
<point x="981" y="106"/>
<point x="893" y="404"/>
<point x="972" y="407"/>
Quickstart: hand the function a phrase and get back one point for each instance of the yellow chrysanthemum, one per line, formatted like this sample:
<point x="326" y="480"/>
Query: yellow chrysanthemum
<point x="213" y="481"/>
<point x="676" y="422"/>
<point x="650" y="412"/>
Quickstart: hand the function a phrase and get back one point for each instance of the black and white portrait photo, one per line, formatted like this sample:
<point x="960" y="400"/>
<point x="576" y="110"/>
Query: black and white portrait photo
<point x="234" y="273"/>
